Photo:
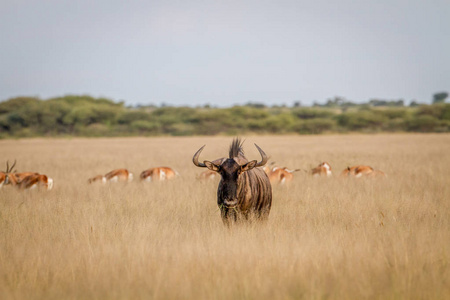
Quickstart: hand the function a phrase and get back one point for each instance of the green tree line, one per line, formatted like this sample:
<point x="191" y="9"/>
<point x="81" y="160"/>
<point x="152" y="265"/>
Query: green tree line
<point x="88" y="116"/>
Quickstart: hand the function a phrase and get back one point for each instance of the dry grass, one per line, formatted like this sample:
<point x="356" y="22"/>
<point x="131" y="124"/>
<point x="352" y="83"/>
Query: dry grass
<point x="326" y="238"/>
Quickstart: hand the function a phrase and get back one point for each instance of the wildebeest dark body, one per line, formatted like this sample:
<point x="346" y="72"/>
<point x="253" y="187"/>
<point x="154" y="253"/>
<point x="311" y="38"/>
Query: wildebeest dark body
<point x="244" y="191"/>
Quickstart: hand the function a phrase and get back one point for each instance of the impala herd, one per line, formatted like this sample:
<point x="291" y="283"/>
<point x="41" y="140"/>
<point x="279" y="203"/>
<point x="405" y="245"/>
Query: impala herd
<point x="275" y="174"/>
<point x="244" y="192"/>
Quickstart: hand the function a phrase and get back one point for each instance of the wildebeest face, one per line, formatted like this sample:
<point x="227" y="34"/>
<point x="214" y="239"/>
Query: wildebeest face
<point x="230" y="171"/>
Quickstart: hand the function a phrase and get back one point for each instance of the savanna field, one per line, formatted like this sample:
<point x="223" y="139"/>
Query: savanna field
<point x="326" y="238"/>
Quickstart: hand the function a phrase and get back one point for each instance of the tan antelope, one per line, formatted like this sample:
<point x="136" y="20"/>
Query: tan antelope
<point x="207" y="175"/>
<point x="2" y="179"/>
<point x="269" y="167"/>
<point x="36" y="181"/>
<point x="158" y="174"/>
<point x="351" y="171"/>
<point x="377" y="174"/>
<point x="5" y="176"/>
<point x="19" y="177"/>
<point x="27" y="180"/>
<point x="122" y="175"/>
<point x="280" y="175"/>
<point x="362" y="171"/>
<point x="98" y="178"/>
<point x="323" y="169"/>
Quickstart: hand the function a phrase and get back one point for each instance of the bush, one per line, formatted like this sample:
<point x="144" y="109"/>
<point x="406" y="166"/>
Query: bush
<point x="83" y="115"/>
<point x="423" y="123"/>
<point x="312" y="113"/>
<point x="315" y="126"/>
<point x="210" y="127"/>
<point x="127" y="117"/>
<point x="393" y="125"/>
<point x="245" y="112"/>
<point x="15" y="104"/>
<point x="95" y="130"/>
<point x="87" y="116"/>
<point x="445" y="115"/>
<point x="392" y="113"/>
<point x="145" y="126"/>
<point x="361" y="120"/>
<point x="181" y="129"/>
<point x="440" y="111"/>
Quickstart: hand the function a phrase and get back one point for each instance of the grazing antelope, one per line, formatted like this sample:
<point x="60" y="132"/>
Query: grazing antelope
<point x="323" y="169"/>
<point x="377" y="174"/>
<point x="119" y="175"/>
<point x="5" y="176"/>
<point x="36" y="181"/>
<point x="362" y="171"/>
<point x="17" y="178"/>
<point x="98" y="178"/>
<point x="207" y="175"/>
<point x="158" y="174"/>
<point x="268" y="168"/>
<point x="279" y="175"/>
<point x="244" y="191"/>
<point x="27" y="180"/>
<point x="351" y="171"/>
<point x="2" y="178"/>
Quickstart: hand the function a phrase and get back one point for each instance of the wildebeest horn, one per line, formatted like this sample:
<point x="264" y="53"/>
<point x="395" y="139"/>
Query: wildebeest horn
<point x="263" y="156"/>
<point x="195" y="158"/>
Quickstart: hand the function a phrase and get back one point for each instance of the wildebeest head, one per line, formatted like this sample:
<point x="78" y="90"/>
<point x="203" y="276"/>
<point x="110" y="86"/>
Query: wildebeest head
<point x="230" y="169"/>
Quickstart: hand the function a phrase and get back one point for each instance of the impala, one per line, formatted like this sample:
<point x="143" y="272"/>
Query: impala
<point x="323" y="169"/>
<point x="158" y="174"/>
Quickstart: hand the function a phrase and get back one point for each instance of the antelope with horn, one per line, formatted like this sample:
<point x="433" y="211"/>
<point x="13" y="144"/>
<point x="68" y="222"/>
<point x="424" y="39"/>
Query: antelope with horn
<point x="5" y="176"/>
<point x="27" y="180"/>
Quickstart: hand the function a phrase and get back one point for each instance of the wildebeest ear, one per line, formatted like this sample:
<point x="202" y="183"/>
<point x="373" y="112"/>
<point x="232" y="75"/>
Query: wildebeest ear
<point x="248" y="166"/>
<point x="211" y="166"/>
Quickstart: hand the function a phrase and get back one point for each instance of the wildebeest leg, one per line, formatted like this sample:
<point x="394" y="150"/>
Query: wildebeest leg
<point x="229" y="215"/>
<point x="264" y="216"/>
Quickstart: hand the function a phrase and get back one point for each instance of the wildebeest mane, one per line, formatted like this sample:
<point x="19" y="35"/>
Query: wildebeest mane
<point x="236" y="149"/>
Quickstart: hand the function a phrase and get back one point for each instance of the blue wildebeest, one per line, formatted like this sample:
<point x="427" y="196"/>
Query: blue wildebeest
<point x="244" y="191"/>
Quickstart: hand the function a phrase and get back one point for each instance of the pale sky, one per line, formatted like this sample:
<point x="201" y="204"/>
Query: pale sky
<point x="225" y="52"/>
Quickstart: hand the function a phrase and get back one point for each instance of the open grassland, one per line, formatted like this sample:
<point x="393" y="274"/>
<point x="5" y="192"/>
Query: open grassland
<point x="326" y="237"/>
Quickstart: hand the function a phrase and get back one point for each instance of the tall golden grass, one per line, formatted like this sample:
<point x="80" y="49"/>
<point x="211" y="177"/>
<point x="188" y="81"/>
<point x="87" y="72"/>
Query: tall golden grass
<point x="327" y="238"/>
